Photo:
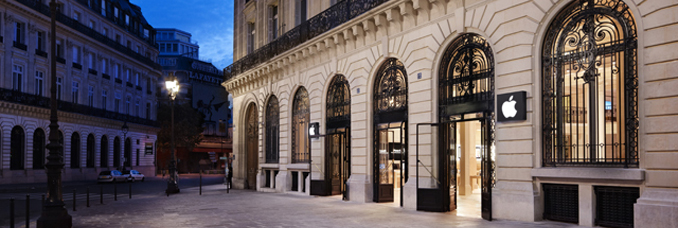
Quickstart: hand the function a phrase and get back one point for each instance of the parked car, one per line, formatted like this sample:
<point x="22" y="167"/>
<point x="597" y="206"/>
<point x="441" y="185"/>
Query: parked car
<point x="133" y="175"/>
<point x="111" y="176"/>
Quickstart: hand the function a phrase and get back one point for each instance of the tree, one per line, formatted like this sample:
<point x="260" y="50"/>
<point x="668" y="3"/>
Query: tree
<point x="187" y="126"/>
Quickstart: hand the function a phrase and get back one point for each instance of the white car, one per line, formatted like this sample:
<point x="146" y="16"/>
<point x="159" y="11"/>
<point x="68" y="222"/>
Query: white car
<point x="133" y="175"/>
<point x="111" y="176"/>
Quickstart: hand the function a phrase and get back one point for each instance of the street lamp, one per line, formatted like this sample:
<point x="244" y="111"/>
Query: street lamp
<point x="54" y="213"/>
<point x="172" y="86"/>
<point x="125" y="129"/>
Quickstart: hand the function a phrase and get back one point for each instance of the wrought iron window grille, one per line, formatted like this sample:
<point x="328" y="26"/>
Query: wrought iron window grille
<point x="590" y="86"/>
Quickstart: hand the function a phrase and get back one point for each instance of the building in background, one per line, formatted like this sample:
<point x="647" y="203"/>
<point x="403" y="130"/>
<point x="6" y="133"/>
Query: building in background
<point x="106" y="72"/>
<point x="201" y="85"/>
<point x="412" y="102"/>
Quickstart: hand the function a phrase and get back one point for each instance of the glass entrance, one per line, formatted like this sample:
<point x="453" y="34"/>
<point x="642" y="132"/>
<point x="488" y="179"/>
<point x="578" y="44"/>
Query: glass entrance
<point x="392" y="162"/>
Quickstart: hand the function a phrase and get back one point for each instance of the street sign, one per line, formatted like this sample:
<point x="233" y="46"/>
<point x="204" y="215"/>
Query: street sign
<point x="223" y="158"/>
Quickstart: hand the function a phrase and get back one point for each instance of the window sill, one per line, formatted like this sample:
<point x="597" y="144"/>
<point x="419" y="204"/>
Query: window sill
<point x="615" y="174"/>
<point x="269" y="166"/>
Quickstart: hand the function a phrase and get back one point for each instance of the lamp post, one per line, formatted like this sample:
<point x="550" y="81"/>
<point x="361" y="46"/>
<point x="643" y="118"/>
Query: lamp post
<point x="54" y="213"/>
<point x="125" y="129"/>
<point x="172" y="86"/>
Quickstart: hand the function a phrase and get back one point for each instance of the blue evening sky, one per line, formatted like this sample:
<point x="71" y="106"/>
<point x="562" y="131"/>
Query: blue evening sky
<point x="209" y="21"/>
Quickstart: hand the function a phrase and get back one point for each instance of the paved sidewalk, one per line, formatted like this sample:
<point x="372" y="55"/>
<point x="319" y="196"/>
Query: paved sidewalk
<point x="244" y="208"/>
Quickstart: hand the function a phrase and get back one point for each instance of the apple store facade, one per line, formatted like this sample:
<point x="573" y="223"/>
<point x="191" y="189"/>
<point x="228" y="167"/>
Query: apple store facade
<point x="547" y="110"/>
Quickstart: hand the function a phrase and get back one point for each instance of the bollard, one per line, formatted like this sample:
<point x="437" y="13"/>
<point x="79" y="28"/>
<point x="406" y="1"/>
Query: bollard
<point x="130" y="190"/>
<point x="115" y="192"/>
<point x="11" y="212"/>
<point x="200" y="182"/>
<point x="87" y="196"/>
<point x="28" y="210"/>
<point x="101" y="195"/>
<point x="74" y="200"/>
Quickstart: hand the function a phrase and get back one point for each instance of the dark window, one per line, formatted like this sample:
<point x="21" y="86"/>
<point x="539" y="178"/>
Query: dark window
<point x="590" y="86"/>
<point x="104" y="152"/>
<point x="250" y="38"/>
<point x="300" y="118"/>
<point x="75" y="150"/>
<point x="272" y="130"/>
<point x="90" y="151"/>
<point x="116" y="152"/>
<point x="128" y="153"/>
<point x="39" y="149"/>
<point x="17" y="148"/>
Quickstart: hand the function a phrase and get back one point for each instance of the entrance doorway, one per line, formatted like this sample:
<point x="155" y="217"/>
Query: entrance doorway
<point x="251" y="146"/>
<point x="389" y="161"/>
<point x="338" y="161"/>
<point x="392" y="161"/>
<point x="468" y="160"/>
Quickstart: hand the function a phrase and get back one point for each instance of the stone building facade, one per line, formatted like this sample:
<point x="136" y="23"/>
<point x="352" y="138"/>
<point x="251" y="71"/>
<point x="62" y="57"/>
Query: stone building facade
<point x="106" y="77"/>
<point x="397" y="87"/>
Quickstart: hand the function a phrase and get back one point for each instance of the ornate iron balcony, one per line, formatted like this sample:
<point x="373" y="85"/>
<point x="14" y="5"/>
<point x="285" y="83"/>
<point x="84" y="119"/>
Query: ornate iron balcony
<point x="61" y="60"/>
<point x="106" y="76"/>
<point x="77" y="66"/>
<point x="44" y="102"/>
<point x="92" y="71"/>
<point x="19" y="45"/>
<point x="42" y="53"/>
<point x="129" y="84"/>
<point x="336" y="15"/>
<point x="44" y="9"/>
<point x="119" y="81"/>
<point x="138" y="88"/>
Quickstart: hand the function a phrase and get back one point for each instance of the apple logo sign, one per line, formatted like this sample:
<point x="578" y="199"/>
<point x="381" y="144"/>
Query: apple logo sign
<point x="312" y="130"/>
<point x="509" y="108"/>
<point x="512" y="106"/>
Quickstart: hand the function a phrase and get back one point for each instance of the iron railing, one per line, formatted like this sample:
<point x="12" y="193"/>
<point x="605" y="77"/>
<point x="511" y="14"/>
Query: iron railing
<point x="109" y="15"/>
<point x="14" y="96"/>
<point x="64" y="19"/>
<point x="331" y="18"/>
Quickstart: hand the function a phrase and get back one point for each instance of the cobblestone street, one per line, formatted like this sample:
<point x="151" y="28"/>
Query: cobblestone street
<point x="244" y="208"/>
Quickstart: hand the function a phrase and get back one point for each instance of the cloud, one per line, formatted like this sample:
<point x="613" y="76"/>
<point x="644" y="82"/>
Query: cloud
<point x="210" y="22"/>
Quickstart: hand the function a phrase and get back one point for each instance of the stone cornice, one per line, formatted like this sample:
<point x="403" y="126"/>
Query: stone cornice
<point x="15" y="109"/>
<point x="369" y="27"/>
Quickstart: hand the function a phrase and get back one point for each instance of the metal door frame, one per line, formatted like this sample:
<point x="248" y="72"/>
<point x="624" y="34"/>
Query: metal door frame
<point x="403" y="157"/>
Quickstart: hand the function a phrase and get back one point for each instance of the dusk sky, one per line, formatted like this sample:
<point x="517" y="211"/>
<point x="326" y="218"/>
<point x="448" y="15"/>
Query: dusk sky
<point x="209" y="21"/>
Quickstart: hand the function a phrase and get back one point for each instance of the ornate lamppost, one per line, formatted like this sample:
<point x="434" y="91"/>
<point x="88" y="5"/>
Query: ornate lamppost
<point x="172" y="86"/>
<point x="54" y="213"/>
<point x="125" y="129"/>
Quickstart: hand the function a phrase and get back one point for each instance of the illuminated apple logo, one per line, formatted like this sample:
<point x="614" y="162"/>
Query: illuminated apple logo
<point x="312" y="130"/>
<point x="508" y="108"/>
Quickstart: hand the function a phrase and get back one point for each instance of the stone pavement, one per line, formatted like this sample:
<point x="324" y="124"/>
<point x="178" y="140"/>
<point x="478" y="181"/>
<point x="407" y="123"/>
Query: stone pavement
<point x="244" y="208"/>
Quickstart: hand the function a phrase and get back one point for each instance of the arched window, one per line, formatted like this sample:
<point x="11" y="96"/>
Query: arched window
<point x="590" y="86"/>
<point x="90" y="151"/>
<point x="104" y="152"/>
<point x="339" y="102"/>
<point x="390" y="93"/>
<point x="466" y="76"/>
<point x="39" y="149"/>
<point x="17" y="149"/>
<point x="300" y="118"/>
<point x="75" y="150"/>
<point x="116" y="152"/>
<point x="272" y="130"/>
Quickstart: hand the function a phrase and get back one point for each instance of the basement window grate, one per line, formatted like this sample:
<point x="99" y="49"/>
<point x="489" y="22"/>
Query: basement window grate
<point x="614" y="205"/>
<point x="561" y="202"/>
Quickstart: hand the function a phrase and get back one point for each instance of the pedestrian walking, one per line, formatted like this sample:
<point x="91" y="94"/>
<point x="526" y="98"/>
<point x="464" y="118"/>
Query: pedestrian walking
<point x="226" y="173"/>
<point x="229" y="176"/>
